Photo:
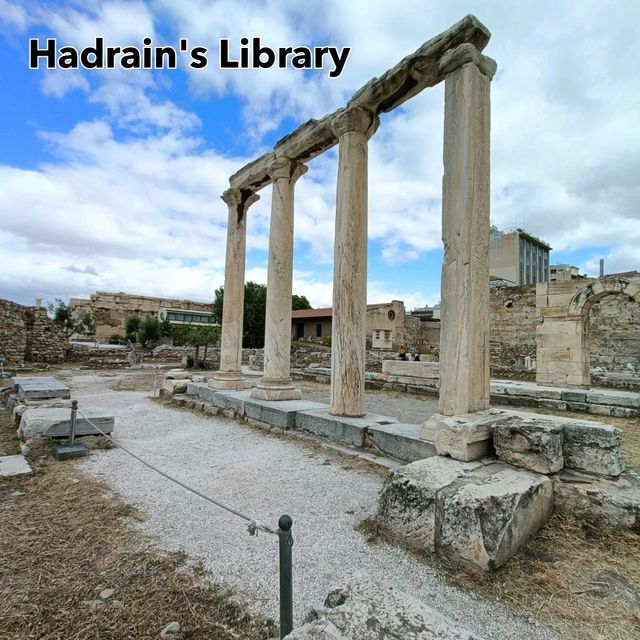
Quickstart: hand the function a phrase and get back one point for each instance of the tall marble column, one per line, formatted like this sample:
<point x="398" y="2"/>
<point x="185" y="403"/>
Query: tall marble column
<point x="230" y="375"/>
<point x="353" y="127"/>
<point x="276" y="383"/>
<point x="464" y="337"/>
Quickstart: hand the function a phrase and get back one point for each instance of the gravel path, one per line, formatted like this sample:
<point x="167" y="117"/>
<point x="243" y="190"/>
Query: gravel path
<point x="265" y="476"/>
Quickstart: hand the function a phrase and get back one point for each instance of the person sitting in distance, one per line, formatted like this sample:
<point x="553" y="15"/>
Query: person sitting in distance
<point x="416" y="357"/>
<point x="402" y="353"/>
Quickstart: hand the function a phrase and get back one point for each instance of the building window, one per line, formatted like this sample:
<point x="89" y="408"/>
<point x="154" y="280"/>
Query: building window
<point x="319" y="330"/>
<point x="391" y="315"/>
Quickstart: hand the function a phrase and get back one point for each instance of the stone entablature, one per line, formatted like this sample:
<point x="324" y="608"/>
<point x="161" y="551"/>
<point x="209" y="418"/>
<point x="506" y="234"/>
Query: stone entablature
<point x="110" y="310"/>
<point x="27" y="334"/>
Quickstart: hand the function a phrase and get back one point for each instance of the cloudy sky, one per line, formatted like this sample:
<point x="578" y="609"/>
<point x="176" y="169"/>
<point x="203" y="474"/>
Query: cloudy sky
<point x="110" y="180"/>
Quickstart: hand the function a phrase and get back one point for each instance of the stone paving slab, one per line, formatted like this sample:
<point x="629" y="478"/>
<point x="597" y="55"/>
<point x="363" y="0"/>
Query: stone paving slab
<point x="14" y="466"/>
<point x="279" y="413"/>
<point x="29" y="388"/>
<point x="54" y="422"/>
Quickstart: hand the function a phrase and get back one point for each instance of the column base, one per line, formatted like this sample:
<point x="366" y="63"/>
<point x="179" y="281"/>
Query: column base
<point x="228" y="381"/>
<point x="280" y="390"/>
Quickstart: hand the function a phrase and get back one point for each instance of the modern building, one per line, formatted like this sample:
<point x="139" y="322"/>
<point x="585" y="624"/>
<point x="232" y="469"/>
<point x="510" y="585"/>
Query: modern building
<point x="563" y="273"/>
<point x="185" y="316"/>
<point x="518" y="257"/>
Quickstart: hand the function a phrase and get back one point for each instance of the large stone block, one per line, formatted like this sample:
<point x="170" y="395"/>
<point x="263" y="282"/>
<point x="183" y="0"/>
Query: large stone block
<point x="472" y="513"/>
<point x="54" y="422"/>
<point x="39" y="387"/>
<point x="171" y="385"/>
<point x="368" y="610"/>
<point x="487" y="520"/>
<point x="532" y="443"/>
<point x="593" y="447"/>
<point x="407" y="504"/>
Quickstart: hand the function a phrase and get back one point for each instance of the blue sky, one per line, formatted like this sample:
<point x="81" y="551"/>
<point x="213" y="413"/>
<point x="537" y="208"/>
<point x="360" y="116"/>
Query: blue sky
<point x="110" y="180"/>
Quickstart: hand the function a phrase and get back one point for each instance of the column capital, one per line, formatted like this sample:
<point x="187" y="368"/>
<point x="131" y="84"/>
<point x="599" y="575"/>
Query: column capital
<point x="286" y="168"/>
<point x="236" y="197"/>
<point x="355" y="119"/>
<point x="465" y="53"/>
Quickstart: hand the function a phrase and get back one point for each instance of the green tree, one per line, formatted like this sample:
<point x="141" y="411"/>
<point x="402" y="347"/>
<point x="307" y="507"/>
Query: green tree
<point x="132" y="327"/>
<point x="71" y="321"/>
<point x="196" y="336"/>
<point x="299" y="302"/>
<point x="255" y="304"/>
<point x="150" y="331"/>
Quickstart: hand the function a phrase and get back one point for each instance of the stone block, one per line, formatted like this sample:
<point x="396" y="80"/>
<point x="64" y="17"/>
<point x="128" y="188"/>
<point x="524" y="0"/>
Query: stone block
<point x="54" y="422"/>
<point x="531" y="443"/>
<point x="574" y="396"/>
<point x="593" y="447"/>
<point x="485" y="521"/>
<point x="335" y="428"/>
<point x="14" y="466"/>
<point x="278" y="414"/>
<point x="466" y="437"/>
<point x="399" y="440"/>
<point x="177" y="374"/>
<point x="31" y="388"/>
<point x="577" y="406"/>
<point x="364" y="609"/>
<point x="172" y="386"/>
<point x="407" y="504"/>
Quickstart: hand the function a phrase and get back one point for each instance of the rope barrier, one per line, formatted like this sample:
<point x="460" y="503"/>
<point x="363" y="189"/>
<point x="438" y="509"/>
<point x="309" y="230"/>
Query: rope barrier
<point x="253" y="527"/>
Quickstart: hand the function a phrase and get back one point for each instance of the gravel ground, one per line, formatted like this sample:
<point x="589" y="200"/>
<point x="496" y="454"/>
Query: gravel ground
<point x="265" y="476"/>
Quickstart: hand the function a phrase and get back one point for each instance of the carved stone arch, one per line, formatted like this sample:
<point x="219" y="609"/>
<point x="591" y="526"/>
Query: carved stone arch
<point x="585" y="297"/>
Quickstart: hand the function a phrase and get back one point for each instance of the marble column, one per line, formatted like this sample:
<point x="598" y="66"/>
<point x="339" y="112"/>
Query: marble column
<point x="353" y="127"/>
<point x="229" y="376"/>
<point x="276" y="383"/>
<point x="464" y="337"/>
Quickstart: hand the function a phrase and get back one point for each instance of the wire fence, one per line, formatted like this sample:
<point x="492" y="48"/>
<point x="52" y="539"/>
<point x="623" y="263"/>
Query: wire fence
<point x="253" y="527"/>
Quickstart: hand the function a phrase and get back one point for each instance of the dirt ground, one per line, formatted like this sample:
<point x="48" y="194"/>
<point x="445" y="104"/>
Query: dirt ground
<point x="66" y="541"/>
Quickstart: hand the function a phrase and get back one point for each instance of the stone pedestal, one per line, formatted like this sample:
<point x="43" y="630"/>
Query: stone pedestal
<point x="464" y="340"/>
<point x="276" y="383"/>
<point x="353" y="127"/>
<point x="230" y="374"/>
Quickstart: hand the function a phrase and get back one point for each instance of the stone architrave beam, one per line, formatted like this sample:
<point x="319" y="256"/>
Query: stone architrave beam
<point x="229" y="375"/>
<point x="410" y="76"/>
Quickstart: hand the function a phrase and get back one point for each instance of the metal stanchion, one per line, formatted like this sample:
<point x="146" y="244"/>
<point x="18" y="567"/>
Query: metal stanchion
<point x="286" y="576"/>
<point x="71" y="449"/>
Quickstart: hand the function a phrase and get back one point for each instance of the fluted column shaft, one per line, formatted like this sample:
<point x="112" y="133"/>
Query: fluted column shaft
<point x="230" y="375"/>
<point x="353" y="127"/>
<point x="464" y="338"/>
<point x="276" y="383"/>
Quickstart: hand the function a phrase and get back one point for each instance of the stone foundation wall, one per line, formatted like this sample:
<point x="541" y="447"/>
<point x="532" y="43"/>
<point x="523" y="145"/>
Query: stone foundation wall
<point x="27" y="334"/>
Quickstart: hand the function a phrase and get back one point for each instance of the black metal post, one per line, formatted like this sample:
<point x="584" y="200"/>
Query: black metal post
<point x="72" y="422"/>
<point x="286" y="576"/>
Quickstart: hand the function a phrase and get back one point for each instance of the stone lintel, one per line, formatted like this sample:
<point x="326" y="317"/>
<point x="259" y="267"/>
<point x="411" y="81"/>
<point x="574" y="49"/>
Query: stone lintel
<point x="409" y="77"/>
<point x="254" y="175"/>
<point x="453" y="59"/>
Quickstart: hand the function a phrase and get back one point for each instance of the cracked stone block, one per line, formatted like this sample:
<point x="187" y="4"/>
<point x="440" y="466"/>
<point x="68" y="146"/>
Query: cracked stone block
<point x="172" y="386"/>
<point x="593" y="447"/>
<point x="54" y="423"/>
<point x="364" y="609"/>
<point x="407" y="503"/>
<point x="531" y="443"/>
<point x="486" y="521"/>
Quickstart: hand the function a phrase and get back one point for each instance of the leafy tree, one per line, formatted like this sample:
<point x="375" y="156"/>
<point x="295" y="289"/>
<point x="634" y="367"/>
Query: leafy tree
<point x="196" y="336"/>
<point x="299" y="302"/>
<point x="71" y="321"/>
<point x="255" y="305"/>
<point x="132" y="327"/>
<point x="150" y="331"/>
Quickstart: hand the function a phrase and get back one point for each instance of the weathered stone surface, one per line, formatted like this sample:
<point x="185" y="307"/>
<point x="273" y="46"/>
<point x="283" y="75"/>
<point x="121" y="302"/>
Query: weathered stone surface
<point x="32" y="388"/>
<point x="53" y="422"/>
<point x="368" y="610"/>
<point x="472" y="513"/>
<point x="14" y="466"/>
<point x="407" y="506"/>
<point x="485" y="521"/>
<point x="175" y="386"/>
<point x="177" y="374"/>
<point x="605" y="502"/>
<point x="593" y="447"/>
<point x="532" y="443"/>
<point x="400" y="440"/>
